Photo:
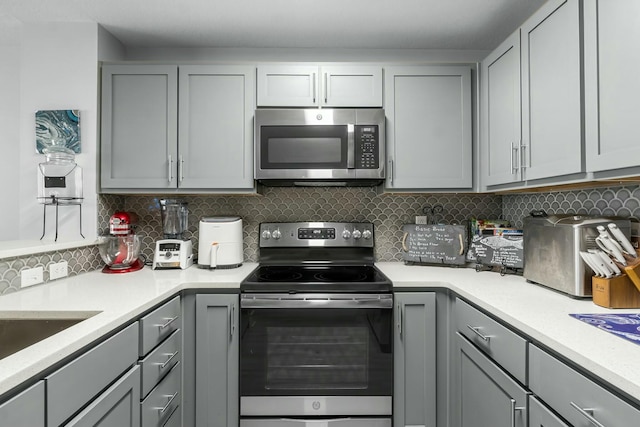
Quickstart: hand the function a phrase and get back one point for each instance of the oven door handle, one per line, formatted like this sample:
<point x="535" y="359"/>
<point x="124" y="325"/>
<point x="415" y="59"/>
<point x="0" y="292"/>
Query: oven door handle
<point x="316" y="301"/>
<point x="323" y="422"/>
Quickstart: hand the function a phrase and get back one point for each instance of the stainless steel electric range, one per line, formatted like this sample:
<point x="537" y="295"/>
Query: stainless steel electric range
<point x="316" y="329"/>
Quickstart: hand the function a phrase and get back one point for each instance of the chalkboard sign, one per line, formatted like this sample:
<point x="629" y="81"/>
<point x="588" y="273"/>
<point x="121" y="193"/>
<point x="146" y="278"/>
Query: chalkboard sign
<point x="434" y="244"/>
<point x="506" y="250"/>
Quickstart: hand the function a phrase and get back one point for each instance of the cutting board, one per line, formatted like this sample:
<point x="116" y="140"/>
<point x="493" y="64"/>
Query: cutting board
<point x="434" y="244"/>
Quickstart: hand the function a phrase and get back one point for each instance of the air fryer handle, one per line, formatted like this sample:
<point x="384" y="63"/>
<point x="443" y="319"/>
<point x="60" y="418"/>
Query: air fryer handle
<point x="213" y="257"/>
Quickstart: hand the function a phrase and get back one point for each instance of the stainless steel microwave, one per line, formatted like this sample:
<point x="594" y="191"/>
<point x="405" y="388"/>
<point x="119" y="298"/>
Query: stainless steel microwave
<point x="310" y="147"/>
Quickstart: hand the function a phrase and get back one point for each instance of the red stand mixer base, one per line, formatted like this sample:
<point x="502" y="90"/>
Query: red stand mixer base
<point x="137" y="265"/>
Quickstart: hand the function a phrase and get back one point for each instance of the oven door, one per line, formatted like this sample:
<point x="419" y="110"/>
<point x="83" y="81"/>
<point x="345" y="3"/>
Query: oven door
<point x="316" y="355"/>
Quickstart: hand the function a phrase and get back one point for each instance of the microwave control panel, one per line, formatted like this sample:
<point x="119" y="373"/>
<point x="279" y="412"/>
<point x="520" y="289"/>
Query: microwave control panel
<point x="367" y="147"/>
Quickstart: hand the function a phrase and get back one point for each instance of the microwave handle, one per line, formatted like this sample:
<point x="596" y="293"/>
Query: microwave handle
<point x="351" y="147"/>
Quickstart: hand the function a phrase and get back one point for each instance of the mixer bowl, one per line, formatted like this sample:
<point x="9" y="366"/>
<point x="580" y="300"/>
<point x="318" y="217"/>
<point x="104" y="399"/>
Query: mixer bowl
<point x="119" y="252"/>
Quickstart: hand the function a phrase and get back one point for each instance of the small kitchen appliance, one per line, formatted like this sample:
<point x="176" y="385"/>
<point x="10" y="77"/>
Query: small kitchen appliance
<point x="174" y="250"/>
<point x="311" y="147"/>
<point x="552" y="246"/>
<point x="121" y="247"/>
<point x="316" y="322"/>
<point x="220" y="242"/>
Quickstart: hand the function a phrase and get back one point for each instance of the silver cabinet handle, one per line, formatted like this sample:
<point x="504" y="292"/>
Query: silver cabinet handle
<point x="166" y="362"/>
<point x="514" y="168"/>
<point x="170" y="167"/>
<point x="326" y="88"/>
<point x="180" y="168"/>
<point x="587" y="413"/>
<point x="525" y="153"/>
<point x="232" y="321"/>
<point x="391" y="172"/>
<point x="314" y="87"/>
<point x="476" y="330"/>
<point x="165" y="407"/>
<point x="168" y="322"/>
<point x="399" y="321"/>
<point x="514" y="409"/>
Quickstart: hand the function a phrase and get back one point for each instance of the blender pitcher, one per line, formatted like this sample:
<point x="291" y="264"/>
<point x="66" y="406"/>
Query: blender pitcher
<point x="175" y="215"/>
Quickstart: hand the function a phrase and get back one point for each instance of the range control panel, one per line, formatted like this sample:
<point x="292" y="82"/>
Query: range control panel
<point x="308" y="234"/>
<point x="367" y="147"/>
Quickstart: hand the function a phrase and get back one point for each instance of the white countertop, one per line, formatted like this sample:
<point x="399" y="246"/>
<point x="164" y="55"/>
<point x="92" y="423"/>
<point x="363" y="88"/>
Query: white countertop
<point x="540" y="313"/>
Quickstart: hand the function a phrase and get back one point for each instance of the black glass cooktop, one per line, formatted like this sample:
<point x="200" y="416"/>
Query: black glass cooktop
<point x="332" y="278"/>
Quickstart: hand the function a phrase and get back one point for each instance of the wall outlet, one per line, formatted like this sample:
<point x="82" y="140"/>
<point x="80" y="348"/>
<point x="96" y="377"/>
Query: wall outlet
<point x="58" y="270"/>
<point x="31" y="276"/>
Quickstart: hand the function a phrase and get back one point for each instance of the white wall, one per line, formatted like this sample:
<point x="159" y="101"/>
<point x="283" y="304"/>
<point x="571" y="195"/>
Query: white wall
<point x="59" y="68"/>
<point x="9" y="140"/>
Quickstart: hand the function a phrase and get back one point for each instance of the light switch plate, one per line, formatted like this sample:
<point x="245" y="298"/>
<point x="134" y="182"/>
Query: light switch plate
<point x="31" y="276"/>
<point x="58" y="270"/>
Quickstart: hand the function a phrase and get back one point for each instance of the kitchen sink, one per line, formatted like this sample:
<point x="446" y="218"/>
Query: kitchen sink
<point x="19" y="332"/>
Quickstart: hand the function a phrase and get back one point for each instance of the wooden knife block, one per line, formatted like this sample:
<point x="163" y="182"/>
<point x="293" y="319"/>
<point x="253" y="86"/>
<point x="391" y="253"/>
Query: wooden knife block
<point x="616" y="292"/>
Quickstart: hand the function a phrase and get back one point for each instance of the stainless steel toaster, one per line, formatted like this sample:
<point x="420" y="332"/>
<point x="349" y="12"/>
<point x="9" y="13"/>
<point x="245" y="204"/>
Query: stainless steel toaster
<point x="552" y="246"/>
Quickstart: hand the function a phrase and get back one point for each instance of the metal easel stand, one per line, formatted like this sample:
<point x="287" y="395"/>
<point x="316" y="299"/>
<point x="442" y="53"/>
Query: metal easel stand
<point x="57" y="202"/>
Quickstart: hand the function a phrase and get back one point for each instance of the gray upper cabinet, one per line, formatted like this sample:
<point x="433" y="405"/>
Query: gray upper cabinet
<point x="296" y="85"/>
<point x="217" y="358"/>
<point x="216" y="105"/>
<point x="531" y="104"/>
<point x="26" y="409"/>
<point x="611" y="36"/>
<point x="429" y="130"/>
<point x="141" y="147"/>
<point x="414" y="389"/>
<point x="500" y="113"/>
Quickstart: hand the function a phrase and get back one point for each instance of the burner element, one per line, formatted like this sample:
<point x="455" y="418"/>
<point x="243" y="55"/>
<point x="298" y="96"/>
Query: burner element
<point x="341" y="275"/>
<point x="279" y="274"/>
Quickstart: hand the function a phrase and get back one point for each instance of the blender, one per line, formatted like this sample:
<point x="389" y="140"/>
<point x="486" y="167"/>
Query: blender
<point x="174" y="250"/>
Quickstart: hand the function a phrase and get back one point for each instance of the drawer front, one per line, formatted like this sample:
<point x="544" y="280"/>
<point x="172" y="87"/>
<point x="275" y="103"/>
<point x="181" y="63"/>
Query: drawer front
<point x="160" y="361"/>
<point x="75" y="384"/>
<point x="159" y="324"/>
<point x="25" y="409"/>
<point x="503" y="345"/>
<point x="163" y="400"/>
<point x="541" y="416"/>
<point x="576" y="398"/>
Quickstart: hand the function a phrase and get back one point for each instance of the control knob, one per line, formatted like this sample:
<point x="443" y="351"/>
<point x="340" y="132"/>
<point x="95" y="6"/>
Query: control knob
<point x="366" y="234"/>
<point x="266" y="235"/>
<point x="346" y="234"/>
<point x="276" y="234"/>
<point x="357" y="234"/>
<point x="168" y="255"/>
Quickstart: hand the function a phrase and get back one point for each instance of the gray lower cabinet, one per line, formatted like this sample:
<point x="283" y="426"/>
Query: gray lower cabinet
<point x="118" y="406"/>
<point x="217" y="354"/>
<point x="541" y="416"/>
<point x="580" y="401"/>
<point x="414" y="388"/>
<point x="26" y="409"/>
<point x="488" y="396"/>
<point x="429" y="127"/>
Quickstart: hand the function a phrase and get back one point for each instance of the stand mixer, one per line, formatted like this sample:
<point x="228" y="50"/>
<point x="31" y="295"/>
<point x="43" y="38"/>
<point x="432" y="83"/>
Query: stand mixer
<point x="121" y="247"/>
<point x="174" y="250"/>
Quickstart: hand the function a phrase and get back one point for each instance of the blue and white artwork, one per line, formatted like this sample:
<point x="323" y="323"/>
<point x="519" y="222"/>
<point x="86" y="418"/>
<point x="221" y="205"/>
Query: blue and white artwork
<point x="58" y="127"/>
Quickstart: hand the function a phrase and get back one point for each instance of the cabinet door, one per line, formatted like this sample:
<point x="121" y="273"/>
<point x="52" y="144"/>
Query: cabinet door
<point x="351" y="86"/>
<point x="217" y="355"/>
<point x="288" y="86"/>
<point x="551" y="91"/>
<point x="428" y="127"/>
<point x="414" y="389"/>
<point x="500" y="113"/>
<point x="139" y="127"/>
<point x="540" y="416"/>
<point x="612" y="58"/>
<point x="118" y="406"/>
<point x="487" y="395"/>
<point x="26" y="409"/>
<point x="216" y="127"/>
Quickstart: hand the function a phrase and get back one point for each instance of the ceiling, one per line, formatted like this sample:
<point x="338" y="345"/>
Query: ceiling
<point x="384" y="24"/>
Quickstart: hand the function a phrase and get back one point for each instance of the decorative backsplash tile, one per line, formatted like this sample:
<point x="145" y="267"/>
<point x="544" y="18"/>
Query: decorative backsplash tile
<point x="612" y="201"/>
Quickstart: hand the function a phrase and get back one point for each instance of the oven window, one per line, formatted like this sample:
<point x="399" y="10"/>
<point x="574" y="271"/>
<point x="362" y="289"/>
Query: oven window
<point x="293" y="351"/>
<point x="303" y="147"/>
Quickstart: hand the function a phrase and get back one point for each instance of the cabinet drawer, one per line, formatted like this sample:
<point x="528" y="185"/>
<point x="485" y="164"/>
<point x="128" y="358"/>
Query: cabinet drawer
<point x="575" y="397"/>
<point x="163" y="400"/>
<point x="503" y="345"/>
<point x="159" y="324"/>
<point x="175" y="420"/>
<point x="72" y="386"/>
<point x="25" y="409"/>
<point x="160" y="361"/>
<point x="541" y="416"/>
